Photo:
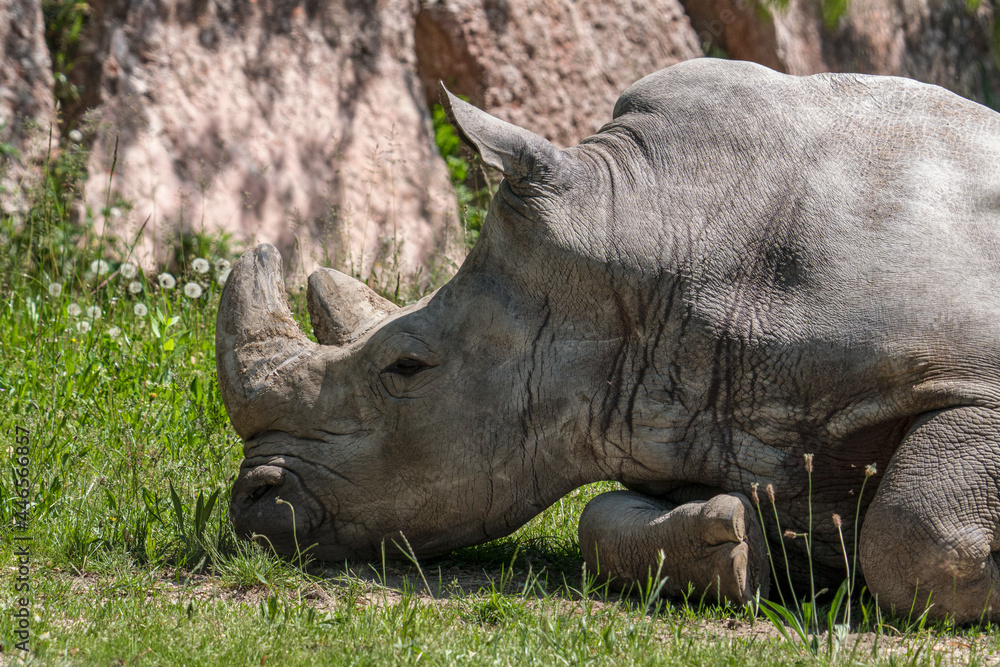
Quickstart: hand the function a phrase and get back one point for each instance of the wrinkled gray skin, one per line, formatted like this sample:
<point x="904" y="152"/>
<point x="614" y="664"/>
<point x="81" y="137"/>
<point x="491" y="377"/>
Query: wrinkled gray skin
<point x="741" y="268"/>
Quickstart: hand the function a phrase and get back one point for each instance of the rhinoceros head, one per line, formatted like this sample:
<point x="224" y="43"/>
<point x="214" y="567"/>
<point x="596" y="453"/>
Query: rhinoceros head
<point x="449" y="421"/>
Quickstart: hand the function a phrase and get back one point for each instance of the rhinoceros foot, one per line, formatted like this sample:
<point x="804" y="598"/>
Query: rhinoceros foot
<point x="715" y="547"/>
<point x="932" y="535"/>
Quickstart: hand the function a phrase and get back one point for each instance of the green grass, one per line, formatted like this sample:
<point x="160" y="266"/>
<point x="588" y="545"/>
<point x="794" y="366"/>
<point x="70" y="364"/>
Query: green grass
<point x="132" y="557"/>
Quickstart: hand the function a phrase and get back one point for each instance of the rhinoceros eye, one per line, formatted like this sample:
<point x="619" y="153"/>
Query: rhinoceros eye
<point x="405" y="366"/>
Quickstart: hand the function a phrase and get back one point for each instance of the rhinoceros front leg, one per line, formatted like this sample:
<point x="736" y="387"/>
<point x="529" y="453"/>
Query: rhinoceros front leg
<point x="932" y="533"/>
<point x="715" y="545"/>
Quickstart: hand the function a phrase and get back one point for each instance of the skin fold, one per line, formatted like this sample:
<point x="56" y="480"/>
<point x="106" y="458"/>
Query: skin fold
<point x="739" y="269"/>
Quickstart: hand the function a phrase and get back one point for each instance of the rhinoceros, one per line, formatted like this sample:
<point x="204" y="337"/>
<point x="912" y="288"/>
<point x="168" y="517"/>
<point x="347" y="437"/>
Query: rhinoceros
<point x="745" y="285"/>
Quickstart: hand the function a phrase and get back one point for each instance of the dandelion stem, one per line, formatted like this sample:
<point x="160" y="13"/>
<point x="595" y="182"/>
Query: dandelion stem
<point x="784" y="551"/>
<point x="295" y="535"/>
<point x="870" y="471"/>
<point x="813" y="615"/>
<point x="847" y="566"/>
<point x="767" y="545"/>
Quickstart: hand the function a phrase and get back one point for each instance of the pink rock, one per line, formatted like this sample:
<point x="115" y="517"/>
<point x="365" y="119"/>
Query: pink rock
<point x="944" y="43"/>
<point x="26" y="105"/>
<point x="303" y="128"/>
<point x="556" y="67"/>
<point x="307" y="125"/>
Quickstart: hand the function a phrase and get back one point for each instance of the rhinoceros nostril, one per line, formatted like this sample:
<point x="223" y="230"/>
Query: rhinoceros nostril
<point x="259" y="492"/>
<point x="257" y="482"/>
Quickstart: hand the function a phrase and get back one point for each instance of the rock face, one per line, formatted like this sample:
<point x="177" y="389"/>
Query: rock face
<point x="943" y="42"/>
<point x="26" y="102"/>
<point x="302" y="124"/>
<point x="936" y="41"/>
<point x="306" y="124"/>
<point x="554" y="66"/>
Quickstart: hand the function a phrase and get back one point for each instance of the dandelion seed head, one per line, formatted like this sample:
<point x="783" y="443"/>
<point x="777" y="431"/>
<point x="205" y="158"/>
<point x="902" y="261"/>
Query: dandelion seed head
<point x="135" y="287"/>
<point x="83" y="326"/>
<point x="100" y="267"/>
<point x="166" y="281"/>
<point x="55" y="289"/>
<point x="200" y="265"/>
<point x="75" y="136"/>
<point x="94" y="312"/>
<point x="114" y="331"/>
<point x="74" y="310"/>
<point x="192" y="290"/>
<point x="221" y="264"/>
<point x="140" y="310"/>
<point x="128" y="270"/>
<point x="115" y="212"/>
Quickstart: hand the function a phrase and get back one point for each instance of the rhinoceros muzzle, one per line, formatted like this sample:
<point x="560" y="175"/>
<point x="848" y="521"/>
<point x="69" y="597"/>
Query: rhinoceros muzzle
<point x="270" y="502"/>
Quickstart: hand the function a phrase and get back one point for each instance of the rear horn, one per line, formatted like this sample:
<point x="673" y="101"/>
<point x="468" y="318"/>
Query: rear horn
<point x="343" y="309"/>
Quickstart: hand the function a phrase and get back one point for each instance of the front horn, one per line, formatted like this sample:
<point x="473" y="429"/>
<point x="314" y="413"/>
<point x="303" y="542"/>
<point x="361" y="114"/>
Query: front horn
<point x="267" y="368"/>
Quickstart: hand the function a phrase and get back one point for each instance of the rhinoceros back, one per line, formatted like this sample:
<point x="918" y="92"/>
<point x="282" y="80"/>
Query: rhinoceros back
<point x="849" y="221"/>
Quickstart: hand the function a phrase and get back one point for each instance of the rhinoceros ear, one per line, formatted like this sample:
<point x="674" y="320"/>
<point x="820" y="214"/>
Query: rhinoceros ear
<point x="342" y="308"/>
<point x="519" y="154"/>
